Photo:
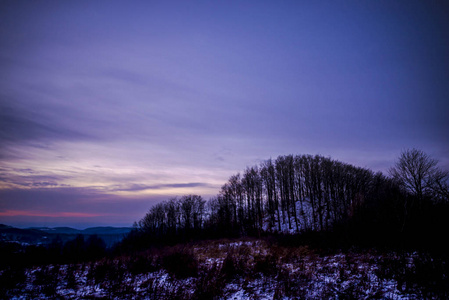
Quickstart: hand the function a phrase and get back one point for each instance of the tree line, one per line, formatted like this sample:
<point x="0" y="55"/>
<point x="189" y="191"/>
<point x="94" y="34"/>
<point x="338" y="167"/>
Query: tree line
<point x="294" y="194"/>
<point x="178" y="216"/>
<point x="305" y="193"/>
<point x="76" y="250"/>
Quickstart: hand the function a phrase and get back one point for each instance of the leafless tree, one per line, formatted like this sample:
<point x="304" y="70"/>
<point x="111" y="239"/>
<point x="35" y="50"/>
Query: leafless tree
<point x="419" y="174"/>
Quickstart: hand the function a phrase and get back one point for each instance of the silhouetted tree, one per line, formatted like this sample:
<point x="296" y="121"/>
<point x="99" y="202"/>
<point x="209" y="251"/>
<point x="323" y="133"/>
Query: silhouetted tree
<point x="304" y="193"/>
<point x="171" y="208"/>
<point x="418" y="174"/>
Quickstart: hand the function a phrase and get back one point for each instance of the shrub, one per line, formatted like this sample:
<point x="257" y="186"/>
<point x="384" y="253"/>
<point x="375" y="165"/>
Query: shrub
<point x="210" y="284"/>
<point x="181" y="263"/>
<point x="266" y="265"/>
<point x="47" y="280"/>
<point x="11" y="278"/>
<point x="70" y="277"/>
<point x="141" y="264"/>
<point x="424" y="275"/>
<point x="233" y="266"/>
<point x="107" y="271"/>
<point x="289" y="285"/>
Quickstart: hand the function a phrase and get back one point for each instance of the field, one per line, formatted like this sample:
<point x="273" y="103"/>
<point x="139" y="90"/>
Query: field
<point x="236" y="269"/>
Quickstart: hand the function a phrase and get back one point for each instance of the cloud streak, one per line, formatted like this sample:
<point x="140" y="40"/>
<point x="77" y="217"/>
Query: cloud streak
<point x="146" y="101"/>
<point x="25" y="213"/>
<point x="143" y="187"/>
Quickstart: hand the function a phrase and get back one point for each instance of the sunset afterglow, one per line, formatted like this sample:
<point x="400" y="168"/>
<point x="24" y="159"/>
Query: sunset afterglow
<point x="109" y="107"/>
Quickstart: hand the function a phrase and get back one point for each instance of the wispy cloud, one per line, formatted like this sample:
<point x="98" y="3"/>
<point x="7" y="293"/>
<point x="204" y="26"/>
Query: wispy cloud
<point x="71" y="205"/>
<point x="29" y="213"/>
<point x="97" y="109"/>
<point x="21" y="125"/>
<point x="29" y="178"/>
<point x="143" y="187"/>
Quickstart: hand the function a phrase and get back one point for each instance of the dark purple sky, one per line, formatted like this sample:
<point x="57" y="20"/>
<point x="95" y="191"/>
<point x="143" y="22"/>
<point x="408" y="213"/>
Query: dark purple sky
<point x="107" y="107"/>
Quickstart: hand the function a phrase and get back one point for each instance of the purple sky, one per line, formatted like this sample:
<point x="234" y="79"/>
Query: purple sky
<point x="107" y="107"/>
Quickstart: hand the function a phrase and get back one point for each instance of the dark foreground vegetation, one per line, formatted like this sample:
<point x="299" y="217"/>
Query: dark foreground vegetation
<point x="244" y="268"/>
<point x="296" y="227"/>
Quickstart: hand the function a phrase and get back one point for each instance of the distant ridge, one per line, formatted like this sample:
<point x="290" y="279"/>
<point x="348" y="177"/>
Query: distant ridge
<point x="69" y="230"/>
<point x="57" y="230"/>
<point x="107" y="230"/>
<point x="45" y="235"/>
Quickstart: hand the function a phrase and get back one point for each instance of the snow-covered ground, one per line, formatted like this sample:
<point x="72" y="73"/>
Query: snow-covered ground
<point x="261" y="272"/>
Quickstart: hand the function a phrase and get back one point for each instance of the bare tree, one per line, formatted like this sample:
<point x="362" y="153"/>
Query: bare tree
<point x="418" y="174"/>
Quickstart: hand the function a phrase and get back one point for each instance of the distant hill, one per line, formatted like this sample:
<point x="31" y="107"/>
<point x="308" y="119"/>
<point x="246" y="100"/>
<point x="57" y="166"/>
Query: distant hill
<point x="107" y="230"/>
<point x="45" y="235"/>
<point x="57" y="230"/>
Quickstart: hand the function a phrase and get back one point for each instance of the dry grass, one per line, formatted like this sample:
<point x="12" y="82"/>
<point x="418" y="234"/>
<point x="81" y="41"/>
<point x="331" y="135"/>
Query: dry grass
<point x="245" y="269"/>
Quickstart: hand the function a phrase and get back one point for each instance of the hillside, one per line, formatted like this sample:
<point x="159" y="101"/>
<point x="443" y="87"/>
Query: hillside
<point x="239" y="269"/>
<point x="45" y="235"/>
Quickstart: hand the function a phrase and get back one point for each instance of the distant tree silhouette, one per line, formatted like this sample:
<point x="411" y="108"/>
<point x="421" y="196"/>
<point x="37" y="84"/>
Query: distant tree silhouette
<point x="95" y="247"/>
<point x="173" y="219"/>
<point x="74" y="250"/>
